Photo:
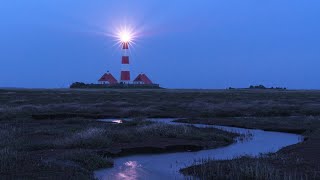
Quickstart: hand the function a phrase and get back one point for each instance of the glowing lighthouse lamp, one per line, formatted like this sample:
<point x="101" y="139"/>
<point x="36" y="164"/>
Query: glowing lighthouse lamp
<point x="125" y="38"/>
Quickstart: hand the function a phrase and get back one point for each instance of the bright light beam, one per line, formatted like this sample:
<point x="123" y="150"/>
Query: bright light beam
<point x="126" y="35"/>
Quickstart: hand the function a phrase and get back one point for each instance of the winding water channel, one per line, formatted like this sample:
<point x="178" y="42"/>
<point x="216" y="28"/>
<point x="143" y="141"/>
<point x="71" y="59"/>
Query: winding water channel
<point x="167" y="165"/>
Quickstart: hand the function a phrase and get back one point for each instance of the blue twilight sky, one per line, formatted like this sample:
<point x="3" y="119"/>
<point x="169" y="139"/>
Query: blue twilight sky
<point x="182" y="43"/>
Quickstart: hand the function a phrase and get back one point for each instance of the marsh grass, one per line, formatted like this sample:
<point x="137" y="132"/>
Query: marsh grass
<point x="89" y="160"/>
<point x="23" y="165"/>
<point x="183" y="131"/>
<point x="8" y="157"/>
<point x="159" y="103"/>
<point x="88" y="138"/>
<point x="246" y="167"/>
<point x="136" y="131"/>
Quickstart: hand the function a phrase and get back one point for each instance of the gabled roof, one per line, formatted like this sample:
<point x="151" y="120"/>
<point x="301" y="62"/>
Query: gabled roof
<point x="143" y="78"/>
<point x="109" y="78"/>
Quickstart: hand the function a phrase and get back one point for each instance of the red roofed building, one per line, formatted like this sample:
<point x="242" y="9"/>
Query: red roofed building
<point x="107" y="78"/>
<point x="142" y="79"/>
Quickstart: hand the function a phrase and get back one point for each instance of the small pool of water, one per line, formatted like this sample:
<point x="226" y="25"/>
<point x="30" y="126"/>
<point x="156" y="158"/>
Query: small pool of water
<point x="113" y="121"/>
<point x="167" y="165"/>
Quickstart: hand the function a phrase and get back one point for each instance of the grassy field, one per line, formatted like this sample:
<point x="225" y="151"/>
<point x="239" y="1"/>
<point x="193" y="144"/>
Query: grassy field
<point x="271" y="166"/>
<point x="54" y="133"/>
<point x="159" y="103"/>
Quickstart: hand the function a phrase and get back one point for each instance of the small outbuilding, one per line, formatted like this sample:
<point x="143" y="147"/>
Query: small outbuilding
<point x="108" y="78"/>
<point x="142" y="79"/>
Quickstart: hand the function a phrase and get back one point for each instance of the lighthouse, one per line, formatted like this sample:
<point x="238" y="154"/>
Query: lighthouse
<point x="125" y="70"/>
<point x="125" y="38"/>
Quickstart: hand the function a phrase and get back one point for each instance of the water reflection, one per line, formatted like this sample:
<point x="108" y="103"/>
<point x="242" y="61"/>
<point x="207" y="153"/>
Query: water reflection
<point x="167" y="165"/>
<point x="117" y="121"/>
<point x="114" y="121"/>
<point x="129" y="171"/>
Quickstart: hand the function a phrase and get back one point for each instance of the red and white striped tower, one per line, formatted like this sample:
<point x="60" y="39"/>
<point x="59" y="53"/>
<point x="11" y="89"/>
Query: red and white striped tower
<point x="125" y="71"/>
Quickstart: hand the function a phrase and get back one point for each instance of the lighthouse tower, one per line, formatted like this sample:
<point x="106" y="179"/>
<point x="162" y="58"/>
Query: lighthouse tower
<point x="125" y="71"/>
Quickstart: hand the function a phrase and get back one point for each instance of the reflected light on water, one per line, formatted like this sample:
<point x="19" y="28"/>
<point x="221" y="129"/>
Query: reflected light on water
<point x="117" y="121"/>
<point x="132" y="164"/>
<point x="129" y="171"/>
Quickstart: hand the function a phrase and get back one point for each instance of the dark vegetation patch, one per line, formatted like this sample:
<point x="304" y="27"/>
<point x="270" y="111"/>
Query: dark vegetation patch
<point x="81" y="85"/>
<point x="88" y="160"/>
<point x="25" y="165"/>
<point x="265" y="167"/>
